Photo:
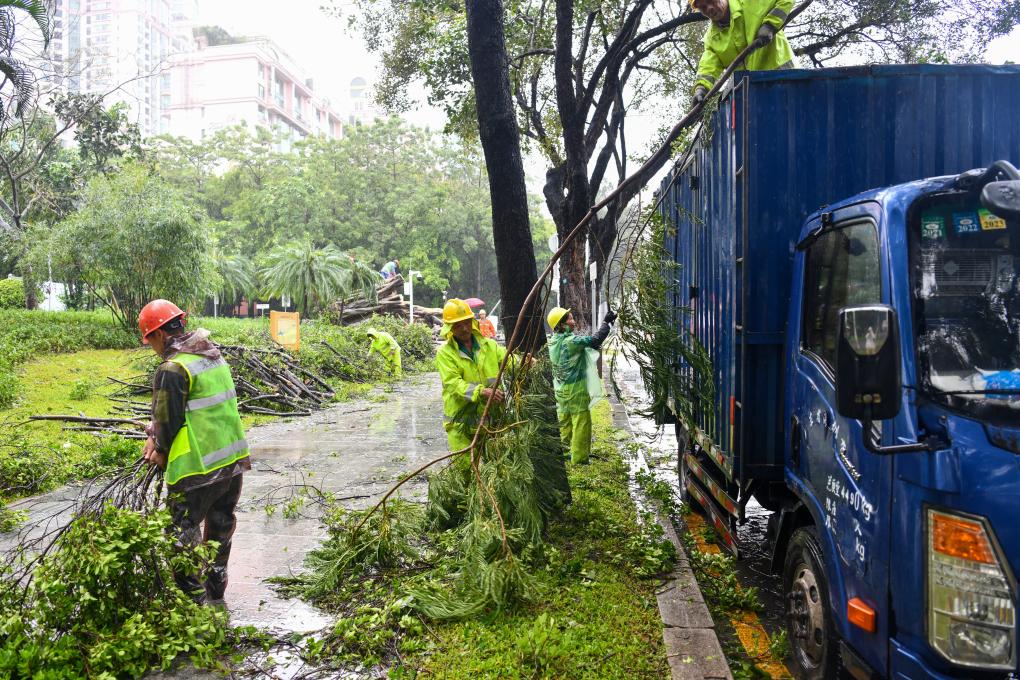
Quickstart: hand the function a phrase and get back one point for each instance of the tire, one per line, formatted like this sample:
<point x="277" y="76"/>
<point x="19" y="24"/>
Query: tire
<point x="814" y="643"/>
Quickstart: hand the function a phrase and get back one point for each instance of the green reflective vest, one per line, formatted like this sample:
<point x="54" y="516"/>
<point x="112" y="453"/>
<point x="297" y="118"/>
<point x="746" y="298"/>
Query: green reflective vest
<point x="387" y="347"/>
<point x="722" y="45"/>
<point x="212" y="436"/>
<point x="575" y="372"/>
<point x="463" y="377"/>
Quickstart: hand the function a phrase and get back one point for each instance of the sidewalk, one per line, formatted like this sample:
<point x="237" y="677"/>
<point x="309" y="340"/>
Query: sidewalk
<point x="692" y="645"/>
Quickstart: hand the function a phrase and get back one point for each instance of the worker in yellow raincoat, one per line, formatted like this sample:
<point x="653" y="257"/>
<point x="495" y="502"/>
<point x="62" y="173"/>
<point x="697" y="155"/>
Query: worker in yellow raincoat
<point x="385" y="345"/>
<point x="735" y="25"/>
<point x="468" y="364"/>
<point x="576" y="379"/>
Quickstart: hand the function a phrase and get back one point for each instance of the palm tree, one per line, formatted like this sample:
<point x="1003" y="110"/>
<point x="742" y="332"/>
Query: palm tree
<point x="314" y="277"/>
<point x="237" y="278"/>
<point x="15" y="72"/>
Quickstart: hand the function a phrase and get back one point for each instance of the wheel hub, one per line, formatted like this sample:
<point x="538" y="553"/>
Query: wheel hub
<point x="807" y="615"/>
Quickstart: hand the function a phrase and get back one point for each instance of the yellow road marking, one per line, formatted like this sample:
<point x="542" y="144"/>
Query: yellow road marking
<point x="747" y="625"/>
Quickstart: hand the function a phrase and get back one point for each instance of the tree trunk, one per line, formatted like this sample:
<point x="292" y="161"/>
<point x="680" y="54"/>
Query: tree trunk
<point x="497" y="128"/>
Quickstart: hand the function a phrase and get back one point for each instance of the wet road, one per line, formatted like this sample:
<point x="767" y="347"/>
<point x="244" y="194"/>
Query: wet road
<point x="355" y="450"/>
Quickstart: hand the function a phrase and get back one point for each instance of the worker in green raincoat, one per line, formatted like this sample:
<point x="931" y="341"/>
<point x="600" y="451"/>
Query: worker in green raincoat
<point x="576" y="379"/>
<point x="735" y="25"/>
<point x="386" y="346"/>
<point x="468" y="364"/>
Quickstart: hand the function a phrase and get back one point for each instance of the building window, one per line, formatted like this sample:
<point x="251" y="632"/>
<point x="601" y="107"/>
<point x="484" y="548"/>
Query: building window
<point x="164" y="81"/>
<point x="164" y="101"/>
<point x="262" y="91"/>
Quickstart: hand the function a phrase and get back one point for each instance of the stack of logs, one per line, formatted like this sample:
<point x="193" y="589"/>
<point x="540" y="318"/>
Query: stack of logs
<point x="389" y="301"/>
<point x="268" y="382"/>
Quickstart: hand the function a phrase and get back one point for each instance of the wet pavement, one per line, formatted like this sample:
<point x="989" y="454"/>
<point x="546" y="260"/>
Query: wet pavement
<point x="355" y="450"/>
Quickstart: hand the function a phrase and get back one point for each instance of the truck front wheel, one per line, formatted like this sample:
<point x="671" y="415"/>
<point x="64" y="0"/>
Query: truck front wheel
<point x="812" y="636"/>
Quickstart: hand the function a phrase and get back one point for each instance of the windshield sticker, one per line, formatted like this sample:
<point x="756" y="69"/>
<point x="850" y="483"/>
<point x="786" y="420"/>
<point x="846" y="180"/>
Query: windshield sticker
<point x="966" y="222"/>
<point x="933" y="227"/>
<point x="990" y="221"/>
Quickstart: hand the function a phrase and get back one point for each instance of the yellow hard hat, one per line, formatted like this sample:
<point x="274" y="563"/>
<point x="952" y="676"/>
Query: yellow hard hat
<point x="456" y="310"/>
<point x="555" y="316"/>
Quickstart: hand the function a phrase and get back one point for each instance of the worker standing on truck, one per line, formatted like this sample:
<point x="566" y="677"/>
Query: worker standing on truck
<point x="576" y="379"/>
<point x="735" y="25"/>
<point x="196" y="436"/>
<point x="385" y="345"/>
<point x="468" y="364"/>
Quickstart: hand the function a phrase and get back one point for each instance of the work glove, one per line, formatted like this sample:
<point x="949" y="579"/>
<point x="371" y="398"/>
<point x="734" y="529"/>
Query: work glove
<point x="610" y="316"/>
<point x="765" y="34"/>
<point x="699" y="94"/>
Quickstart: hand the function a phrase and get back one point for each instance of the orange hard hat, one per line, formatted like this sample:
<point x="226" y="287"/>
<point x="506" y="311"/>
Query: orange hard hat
<point x="156" y="314"/>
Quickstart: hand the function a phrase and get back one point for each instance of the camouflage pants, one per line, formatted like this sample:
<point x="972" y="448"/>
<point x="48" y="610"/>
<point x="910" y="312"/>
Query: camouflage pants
<point x="212" y="506"/>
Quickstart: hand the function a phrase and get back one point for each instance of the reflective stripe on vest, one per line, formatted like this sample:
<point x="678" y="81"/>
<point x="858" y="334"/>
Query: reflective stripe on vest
<point x="212" y="436"/>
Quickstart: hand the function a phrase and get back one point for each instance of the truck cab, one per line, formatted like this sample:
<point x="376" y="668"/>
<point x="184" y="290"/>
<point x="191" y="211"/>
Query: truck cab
<point x="899" y="542"/>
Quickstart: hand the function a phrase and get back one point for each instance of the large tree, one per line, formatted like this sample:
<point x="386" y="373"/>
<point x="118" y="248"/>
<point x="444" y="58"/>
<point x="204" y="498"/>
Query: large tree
<point x="580" y="67"/>
<point x="497" y="130"/>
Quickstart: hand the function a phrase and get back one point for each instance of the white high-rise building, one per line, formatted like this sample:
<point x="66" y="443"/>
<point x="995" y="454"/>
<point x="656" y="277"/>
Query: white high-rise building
<point x="121" y="48"/>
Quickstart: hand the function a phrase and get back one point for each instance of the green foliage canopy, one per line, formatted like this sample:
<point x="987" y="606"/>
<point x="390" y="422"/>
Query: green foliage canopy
<point x="136" y="238"/>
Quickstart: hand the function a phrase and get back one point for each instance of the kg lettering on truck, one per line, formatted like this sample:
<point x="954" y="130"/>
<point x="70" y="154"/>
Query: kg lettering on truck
<point x="848" y="250"/>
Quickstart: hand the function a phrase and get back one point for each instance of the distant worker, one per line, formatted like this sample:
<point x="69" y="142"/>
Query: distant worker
<point x="390" y="270"/>
<point x="196" y="436"/>
<point x="575" y="379"/>
<point x="468" y="364"/>
<point x="385" y="345"/>
<point x="735" y="24"/>
<point x="485" y="325"/>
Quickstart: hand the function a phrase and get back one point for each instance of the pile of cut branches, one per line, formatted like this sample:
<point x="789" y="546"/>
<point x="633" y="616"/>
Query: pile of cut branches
<point x="268" y="382"/>
<point x="388" y="301"/>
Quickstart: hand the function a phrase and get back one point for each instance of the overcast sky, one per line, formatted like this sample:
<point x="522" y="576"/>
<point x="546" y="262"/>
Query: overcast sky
<point x="332" y="55"/>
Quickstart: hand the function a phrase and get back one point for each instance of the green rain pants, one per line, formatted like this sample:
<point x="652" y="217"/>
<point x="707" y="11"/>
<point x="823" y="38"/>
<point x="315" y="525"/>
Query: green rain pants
<point x="575" y="433"/>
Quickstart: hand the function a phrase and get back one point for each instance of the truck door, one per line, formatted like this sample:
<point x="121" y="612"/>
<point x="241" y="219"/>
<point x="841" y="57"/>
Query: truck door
<point x="846" y="487"/>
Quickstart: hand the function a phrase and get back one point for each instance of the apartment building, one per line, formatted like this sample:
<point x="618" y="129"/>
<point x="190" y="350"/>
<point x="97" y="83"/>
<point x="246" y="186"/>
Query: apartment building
<point x="251" y="82"/>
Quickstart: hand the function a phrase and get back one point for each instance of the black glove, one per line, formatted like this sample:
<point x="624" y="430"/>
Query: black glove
<point x="699" y="94"/>
<point x="765" y="34"/>
<point x="610" y="316"/>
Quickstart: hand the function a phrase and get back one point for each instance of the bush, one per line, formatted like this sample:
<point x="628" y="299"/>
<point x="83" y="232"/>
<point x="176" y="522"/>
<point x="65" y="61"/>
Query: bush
<point x="103" y="604"/>
<point x="12" y="294"/>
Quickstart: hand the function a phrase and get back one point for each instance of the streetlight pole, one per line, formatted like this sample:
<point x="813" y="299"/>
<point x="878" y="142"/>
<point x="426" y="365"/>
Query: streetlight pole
<point x="410" y="280"/>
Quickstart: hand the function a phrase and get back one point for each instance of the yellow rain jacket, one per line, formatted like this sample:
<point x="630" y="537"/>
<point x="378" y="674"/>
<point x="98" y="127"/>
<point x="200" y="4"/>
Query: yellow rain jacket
<point x="464" y="375"/>
<point x="722" y="45"/>
<point x="387" y="347"/>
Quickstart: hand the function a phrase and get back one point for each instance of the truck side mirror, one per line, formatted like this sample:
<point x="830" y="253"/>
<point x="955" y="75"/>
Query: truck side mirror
<point x="868" y="384"/>
<point x="1002" y="198"/>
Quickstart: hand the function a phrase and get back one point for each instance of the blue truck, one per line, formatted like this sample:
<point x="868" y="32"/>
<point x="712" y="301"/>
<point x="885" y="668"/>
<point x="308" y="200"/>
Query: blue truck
<point x="848" y="251"/>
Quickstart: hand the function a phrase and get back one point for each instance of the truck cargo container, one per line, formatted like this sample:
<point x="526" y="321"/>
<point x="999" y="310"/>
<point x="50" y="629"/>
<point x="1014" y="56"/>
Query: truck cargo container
<point x="848" y="243"/>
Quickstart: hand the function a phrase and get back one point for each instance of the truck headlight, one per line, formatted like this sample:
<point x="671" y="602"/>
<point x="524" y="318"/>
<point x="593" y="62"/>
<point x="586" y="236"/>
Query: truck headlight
<point x="971" y="610"/>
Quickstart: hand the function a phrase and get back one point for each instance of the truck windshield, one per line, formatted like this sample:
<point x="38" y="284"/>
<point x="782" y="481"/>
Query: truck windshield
<point x="967" y="292"/>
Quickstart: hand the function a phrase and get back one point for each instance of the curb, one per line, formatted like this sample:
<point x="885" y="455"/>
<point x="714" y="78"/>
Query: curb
<point x="692" y="646"/>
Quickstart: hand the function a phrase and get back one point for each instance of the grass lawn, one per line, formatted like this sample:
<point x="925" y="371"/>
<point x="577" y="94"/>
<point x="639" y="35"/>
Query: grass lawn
<point x="596" y="616"/>
<point x="71" y="384"/>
